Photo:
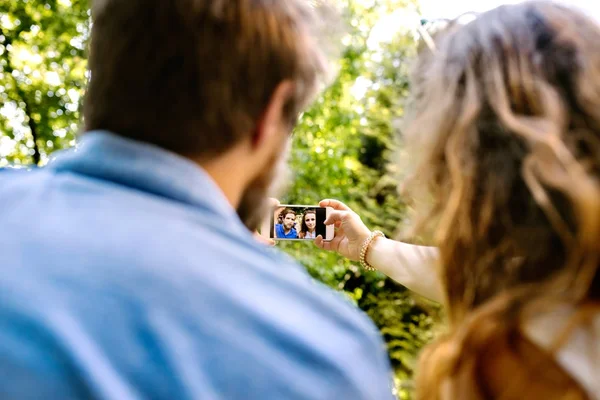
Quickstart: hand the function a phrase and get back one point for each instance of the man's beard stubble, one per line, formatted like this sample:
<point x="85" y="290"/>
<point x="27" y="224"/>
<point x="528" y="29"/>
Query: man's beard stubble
<point x="255" y="203"/>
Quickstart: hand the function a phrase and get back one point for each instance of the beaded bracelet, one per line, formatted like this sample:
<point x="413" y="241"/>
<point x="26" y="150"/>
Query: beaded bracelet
<point x="365" y="248"/>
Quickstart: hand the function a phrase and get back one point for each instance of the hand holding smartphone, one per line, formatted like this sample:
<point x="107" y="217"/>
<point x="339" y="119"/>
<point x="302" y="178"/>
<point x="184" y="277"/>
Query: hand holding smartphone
<point x="297" y="222"/>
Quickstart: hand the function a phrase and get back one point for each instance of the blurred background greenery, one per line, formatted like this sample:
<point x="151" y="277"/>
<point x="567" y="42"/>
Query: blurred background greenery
<point x="345" y="146"/>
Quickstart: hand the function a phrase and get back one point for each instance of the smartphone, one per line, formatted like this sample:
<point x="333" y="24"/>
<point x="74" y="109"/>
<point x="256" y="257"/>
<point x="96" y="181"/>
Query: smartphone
<point x="297" y="222"/>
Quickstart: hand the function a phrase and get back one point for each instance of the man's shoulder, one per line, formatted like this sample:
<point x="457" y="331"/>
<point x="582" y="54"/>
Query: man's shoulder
<point x="19" y="182"/>
<point x="18" y="173"/>
<point x="222" y="296"/>
<point x="204" y="273"/>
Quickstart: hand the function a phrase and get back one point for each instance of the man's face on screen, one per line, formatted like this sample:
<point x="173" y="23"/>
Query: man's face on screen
<point x="288" y="221"/>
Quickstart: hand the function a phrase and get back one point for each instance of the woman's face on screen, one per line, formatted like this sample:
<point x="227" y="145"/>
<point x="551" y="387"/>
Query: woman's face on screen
<point x="311" y="221"/>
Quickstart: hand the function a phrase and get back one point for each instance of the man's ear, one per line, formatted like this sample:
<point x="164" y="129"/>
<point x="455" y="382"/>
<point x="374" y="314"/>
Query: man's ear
<point x="270" y="124"/>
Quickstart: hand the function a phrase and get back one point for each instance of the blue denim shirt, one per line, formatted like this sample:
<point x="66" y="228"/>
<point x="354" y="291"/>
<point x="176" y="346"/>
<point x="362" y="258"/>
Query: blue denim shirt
<point x="125" y="274"/>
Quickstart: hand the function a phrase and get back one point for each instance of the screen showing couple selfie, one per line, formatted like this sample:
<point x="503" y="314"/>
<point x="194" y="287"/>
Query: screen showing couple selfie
<point x="298" y="223"/>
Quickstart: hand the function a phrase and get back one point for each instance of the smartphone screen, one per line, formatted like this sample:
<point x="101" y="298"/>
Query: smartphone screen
<point x="298" y="222"/>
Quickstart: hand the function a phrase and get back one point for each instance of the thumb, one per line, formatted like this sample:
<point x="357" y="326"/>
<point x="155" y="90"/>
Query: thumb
<point x="337" y="216"/>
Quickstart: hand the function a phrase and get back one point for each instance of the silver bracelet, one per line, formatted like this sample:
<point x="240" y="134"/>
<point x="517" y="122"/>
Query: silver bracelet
<point x="365" y="248"/>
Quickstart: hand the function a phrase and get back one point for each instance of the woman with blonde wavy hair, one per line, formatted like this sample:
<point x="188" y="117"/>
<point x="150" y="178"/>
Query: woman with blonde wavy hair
<point x="507" y="119"/>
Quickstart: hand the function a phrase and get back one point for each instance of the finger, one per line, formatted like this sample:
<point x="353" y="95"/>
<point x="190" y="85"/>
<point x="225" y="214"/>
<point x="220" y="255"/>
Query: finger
<point x="273" y="202"/>
<point x="331" y="245"/>
<point x="319" y="241"/>
<point x="335" y="204"/>
<point x="336" y="216"/>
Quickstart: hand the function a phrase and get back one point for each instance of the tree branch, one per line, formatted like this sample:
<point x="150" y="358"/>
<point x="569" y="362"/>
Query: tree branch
<point x="23" y="97"/>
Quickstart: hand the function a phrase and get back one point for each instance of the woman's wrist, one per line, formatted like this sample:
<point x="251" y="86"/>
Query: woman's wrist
<point x="377" y="257"/>
<point x="366" y="249"/>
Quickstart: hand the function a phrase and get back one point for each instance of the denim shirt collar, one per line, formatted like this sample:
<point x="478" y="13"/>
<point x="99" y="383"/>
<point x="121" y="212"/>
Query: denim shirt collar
<point x="104" y="155"/>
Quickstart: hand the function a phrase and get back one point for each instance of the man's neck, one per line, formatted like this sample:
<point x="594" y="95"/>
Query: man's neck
<point x="229" y="174"/>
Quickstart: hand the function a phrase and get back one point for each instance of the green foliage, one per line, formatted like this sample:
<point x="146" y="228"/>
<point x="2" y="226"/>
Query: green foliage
<point x="42" y="76"/>
<point x="344" y="145"/>
<point x="344" y="148"/>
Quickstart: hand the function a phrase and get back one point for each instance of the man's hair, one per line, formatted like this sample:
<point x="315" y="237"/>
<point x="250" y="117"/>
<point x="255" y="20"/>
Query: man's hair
<point x="287" y="211"/>
<point x="195" y="76"/>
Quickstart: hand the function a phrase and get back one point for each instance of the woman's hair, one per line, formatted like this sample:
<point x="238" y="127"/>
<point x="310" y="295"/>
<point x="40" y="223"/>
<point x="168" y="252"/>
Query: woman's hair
<point x="506" y="114"/>
<point x="304" y="228"/>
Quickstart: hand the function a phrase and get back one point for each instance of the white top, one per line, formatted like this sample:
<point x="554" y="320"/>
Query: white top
<point x="309" y="235"/>
<point x="580" y="356"/>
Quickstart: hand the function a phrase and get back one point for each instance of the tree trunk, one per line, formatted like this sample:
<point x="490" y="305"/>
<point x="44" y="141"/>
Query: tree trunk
<point x="22" y="98"/>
